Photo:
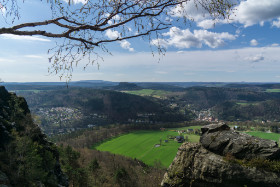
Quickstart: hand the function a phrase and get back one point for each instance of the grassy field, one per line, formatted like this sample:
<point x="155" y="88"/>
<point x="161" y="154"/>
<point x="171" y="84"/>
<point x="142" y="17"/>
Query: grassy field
<point x="272" y="90"/>
<point x="141" y="145"/>
<point x="149" y="92"/>
<point x="264" y="135"/>
<point x="247" y="103"/>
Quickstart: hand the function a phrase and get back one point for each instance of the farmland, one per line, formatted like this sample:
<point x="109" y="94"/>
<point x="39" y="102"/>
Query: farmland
<point x="149" y="92"/>
<point x="264" y="135"/>
<point x="272" y="90"/>
<point x="141" y="145"/>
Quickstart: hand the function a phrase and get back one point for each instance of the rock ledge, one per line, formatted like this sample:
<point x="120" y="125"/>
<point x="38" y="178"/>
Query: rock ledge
<point x="205" y="164"/>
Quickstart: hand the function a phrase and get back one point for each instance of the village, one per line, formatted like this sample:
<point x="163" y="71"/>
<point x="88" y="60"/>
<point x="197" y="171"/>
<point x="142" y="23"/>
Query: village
<point x="60" y="120"/>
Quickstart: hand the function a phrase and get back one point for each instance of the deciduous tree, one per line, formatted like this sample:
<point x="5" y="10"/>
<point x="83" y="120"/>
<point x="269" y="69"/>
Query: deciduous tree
<point x="85" y="27"/>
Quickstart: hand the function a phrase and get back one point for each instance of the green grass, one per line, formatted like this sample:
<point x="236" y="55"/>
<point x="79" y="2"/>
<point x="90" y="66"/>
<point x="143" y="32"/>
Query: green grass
<point x="149" y="92"/>
<point x="140" y="145"/>
<point x="272" y="90"/>
<point x="264" y="135"/>
<point x="247" y="103"/>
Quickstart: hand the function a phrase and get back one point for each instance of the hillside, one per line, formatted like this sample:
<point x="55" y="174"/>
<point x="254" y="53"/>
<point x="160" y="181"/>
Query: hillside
<point x="26" y="157"/>
<point x="80" y="107"/>
<point x="231" y="104"/>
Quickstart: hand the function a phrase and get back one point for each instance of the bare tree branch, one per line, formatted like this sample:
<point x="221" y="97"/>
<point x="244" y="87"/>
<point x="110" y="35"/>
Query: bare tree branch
<point x="84" y="27"/>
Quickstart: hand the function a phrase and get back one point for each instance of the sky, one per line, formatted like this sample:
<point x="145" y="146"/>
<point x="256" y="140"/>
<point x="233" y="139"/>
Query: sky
<point x="244" y="48"/>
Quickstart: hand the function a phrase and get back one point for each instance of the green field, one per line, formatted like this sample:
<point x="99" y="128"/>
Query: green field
<point x="264" y="135"/>
<point x="272" y="90"/>
<point x="149" y="92"/>
<point x="141" y="145"/>
<point x="247" y="103"/>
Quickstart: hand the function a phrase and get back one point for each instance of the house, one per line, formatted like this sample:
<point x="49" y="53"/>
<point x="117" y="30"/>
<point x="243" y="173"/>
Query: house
<point x="190" y="130"/>
<point x="91" y="125"/>
<point x="180" y="139"/>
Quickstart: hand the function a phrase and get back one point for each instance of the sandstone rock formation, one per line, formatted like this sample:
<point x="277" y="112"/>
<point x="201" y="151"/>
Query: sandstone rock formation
<point x="26" y="157"/>
<point x="220" y="140"/>
<point x="206" y="163"/>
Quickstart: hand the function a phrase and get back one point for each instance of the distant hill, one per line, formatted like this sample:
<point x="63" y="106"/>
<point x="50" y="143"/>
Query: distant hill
<point x="167" y="86"/>
<point x="111" y="106"/>
<point x="207" y="97"/>
<point x="125" y="86"/>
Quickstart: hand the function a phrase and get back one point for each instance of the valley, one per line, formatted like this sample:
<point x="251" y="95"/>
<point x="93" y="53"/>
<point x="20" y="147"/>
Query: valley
<point x="143" y="126"/>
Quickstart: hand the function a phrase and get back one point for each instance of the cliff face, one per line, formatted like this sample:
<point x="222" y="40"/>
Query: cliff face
<point x="26" y="157"/>
<point x="225" y="158"/>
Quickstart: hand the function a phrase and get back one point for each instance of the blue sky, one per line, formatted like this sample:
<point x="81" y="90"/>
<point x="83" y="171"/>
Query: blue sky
<point x="244" y="48"/>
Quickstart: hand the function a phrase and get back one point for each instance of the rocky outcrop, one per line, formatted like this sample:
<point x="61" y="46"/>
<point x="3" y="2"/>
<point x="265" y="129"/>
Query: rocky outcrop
<point x="26" y="157"/>
<point x="219" y="139"/>
<point x="206" y="163"/>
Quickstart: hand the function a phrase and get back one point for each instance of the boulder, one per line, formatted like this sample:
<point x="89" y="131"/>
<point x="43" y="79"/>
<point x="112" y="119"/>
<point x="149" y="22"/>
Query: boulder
<point x="196" y="166"/>
<point x="222" y="158"/>
<point x="219" y="139"/>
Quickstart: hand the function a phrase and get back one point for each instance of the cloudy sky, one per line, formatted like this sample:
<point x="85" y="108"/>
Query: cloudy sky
<point x="244" y="48"/>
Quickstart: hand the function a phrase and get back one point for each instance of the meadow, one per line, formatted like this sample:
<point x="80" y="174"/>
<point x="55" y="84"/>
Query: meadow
<point x="272" y="90"/>
<point x="141" y="145"/>
<point x="264" y="135"/>
<point x="149" y="92"/>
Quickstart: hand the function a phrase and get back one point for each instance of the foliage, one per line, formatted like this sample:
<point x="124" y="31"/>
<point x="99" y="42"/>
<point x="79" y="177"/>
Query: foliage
<point x="95" y="168"/>
<point x="70" y="165"/>
<point x="122" y="177"/>
<point x="25" y="155"/>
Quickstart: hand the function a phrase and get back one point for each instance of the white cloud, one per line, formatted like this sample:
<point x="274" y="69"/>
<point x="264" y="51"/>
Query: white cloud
<point x="206" y="24"/>
<point x="256" y="58"/>
<point x="3" y="10"/>
<point x="246" y="12"/>
<point x="114" y="19"/>
<point x="76" y="1"/>
<point x="114" y="35"/>
<point x="276" y="23"/>
<point x="30" y="38"/>
<point x="213" y="39"/>
<point x="6" y="60"/>
<point x="161" y="72"/>
<point x="274" y="45"/>
<point x="186" y="39"/>
<point x="208" y="65"/>
<point x="33" y="56"/>
<point x="191" y="9"/>
<point x="252" y="12"/>
<point x="126" y="45"/>
<point x="254" y="42"/>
